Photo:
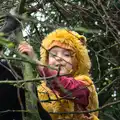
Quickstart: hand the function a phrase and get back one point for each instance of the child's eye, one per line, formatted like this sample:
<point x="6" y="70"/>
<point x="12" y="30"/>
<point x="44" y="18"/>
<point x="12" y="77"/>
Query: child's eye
<point x="67" y="54"/>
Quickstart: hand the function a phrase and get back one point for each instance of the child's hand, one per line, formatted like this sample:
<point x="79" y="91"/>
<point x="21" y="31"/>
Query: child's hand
<point x="27" y="49"/>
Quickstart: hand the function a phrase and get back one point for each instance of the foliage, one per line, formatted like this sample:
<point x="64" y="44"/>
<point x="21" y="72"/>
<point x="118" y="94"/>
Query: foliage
<point x="98" y="20"/>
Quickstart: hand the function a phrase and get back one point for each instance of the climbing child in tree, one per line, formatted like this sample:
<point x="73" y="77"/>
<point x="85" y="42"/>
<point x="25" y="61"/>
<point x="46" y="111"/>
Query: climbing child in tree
<point x="69" y="88"/>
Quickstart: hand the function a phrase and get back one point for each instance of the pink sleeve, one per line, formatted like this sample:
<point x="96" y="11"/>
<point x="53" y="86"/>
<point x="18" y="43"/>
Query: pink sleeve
<point x="75" y="88"/>
<point x="46" y="72"/>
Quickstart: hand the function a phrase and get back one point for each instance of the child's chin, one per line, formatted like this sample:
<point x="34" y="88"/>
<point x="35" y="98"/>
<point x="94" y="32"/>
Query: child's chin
<point x="63" y="72"/>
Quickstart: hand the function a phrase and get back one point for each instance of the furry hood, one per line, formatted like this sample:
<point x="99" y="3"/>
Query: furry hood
<point x="69" y="40"/>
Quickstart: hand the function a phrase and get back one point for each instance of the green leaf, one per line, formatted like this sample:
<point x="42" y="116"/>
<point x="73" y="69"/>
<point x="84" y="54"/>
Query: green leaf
<point x="85" y="30"/>
<point x="1" y="34"/>
<point x="6" y="42"/>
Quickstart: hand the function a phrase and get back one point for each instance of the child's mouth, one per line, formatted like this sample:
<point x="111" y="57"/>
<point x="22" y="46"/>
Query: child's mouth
<point x="59" y="65"/>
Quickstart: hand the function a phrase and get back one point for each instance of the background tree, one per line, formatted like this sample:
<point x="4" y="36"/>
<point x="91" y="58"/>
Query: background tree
<point x="98" y="20"/>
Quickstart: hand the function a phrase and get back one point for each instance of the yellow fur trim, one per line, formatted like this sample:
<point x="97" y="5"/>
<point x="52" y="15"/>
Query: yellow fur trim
<point x="63" y="105"/>
<point x="93" y="98"/>
<point x="70" y="39"/>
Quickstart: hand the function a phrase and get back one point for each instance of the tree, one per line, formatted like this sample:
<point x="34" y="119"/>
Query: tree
<point x="98" y="20"/>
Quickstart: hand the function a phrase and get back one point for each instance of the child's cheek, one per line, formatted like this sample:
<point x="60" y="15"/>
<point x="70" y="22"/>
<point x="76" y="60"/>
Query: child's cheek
<point x="51" y="61"/>
<point x="74" y="64"/>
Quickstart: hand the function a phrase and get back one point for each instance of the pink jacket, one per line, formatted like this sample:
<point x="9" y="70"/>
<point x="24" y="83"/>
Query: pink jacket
<point x="71" y="88"/>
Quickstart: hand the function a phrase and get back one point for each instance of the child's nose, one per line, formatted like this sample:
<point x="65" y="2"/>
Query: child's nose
<point x="59" y="57"/>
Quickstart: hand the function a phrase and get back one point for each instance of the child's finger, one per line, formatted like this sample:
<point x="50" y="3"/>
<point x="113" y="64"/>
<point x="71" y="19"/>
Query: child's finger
<point x="27" y="49"/>
<point x="24" y="50"/>
<point x="23" y="42"/>
<point x="25" y="46"/>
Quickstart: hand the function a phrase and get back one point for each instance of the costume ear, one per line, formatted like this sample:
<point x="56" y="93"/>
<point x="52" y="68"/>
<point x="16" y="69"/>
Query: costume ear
<point x="82" y="40"/>
<point x="80" y="37"/>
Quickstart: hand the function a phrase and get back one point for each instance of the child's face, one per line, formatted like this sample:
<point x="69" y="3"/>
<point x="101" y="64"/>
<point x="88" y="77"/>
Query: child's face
<point x="60" y="57"/>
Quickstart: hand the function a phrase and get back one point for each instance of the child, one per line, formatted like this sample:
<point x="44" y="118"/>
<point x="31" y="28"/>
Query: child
<point x="72" y="90"/>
